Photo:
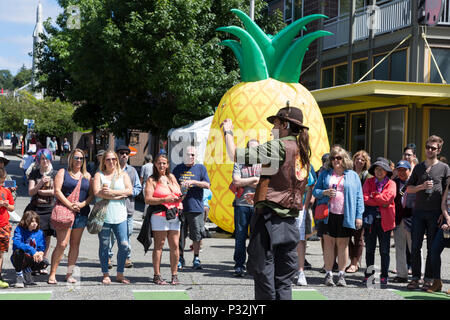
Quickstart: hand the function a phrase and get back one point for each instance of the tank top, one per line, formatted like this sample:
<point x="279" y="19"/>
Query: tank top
<point x="337" y="203"/>
<point x="162" y="192"/>
<point x="70" y="183"/>
<point x="117" y="211"/>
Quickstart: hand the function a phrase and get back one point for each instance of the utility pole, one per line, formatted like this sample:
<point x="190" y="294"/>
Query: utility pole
<point x="252" y="9"/>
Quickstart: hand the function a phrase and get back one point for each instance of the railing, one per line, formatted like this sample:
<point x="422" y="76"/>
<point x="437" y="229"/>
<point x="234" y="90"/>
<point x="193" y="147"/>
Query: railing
<point x="389" y="17"/>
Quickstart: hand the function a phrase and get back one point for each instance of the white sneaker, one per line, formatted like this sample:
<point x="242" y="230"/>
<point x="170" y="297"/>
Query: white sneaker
<point x="301" y="279"/>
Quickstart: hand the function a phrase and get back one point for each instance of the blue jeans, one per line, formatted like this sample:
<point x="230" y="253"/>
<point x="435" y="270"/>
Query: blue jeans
<point x="371" y="234"/>
<point x="423" y="222"/>
<point x="130" y="222"/>
<point x="242" y="217"/>
<point x="120" y="231"/>
<point x="439" y="243"/>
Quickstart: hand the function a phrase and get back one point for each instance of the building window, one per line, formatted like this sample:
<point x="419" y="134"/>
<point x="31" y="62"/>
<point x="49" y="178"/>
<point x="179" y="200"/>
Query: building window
<point x="358" y="124"/>
<point x="441" y="55"/>
<point x="327" y="77"/>
<point x="344" y="6"/>
<point x="387" y="133"/>
<point x="392" y="68"/>
<point x="438" y="116"/>
<point x="336" y="129"/>
<point x="293" y="10"/>
<point x="334" y="76"/>
<point x="360" y="68"/>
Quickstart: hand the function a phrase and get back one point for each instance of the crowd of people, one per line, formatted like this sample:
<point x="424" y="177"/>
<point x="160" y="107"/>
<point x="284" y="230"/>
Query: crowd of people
<point x="360" y="203"/>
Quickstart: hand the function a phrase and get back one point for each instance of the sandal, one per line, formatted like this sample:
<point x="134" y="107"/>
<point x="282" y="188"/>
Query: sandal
<point x="71" y="279"/>
<point x="106" y="280"/>
<point x="43" y="271"/>
<point x="157" y="279"/>
<point x="52" y="281"/>
<point x="123" y="280"/>
<point x="351" y="269"/>
<point x="413" y="285"/>
<point x="175" y="280"/>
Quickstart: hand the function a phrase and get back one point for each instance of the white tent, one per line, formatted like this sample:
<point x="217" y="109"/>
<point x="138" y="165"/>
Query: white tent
<point x="192" y="134"/>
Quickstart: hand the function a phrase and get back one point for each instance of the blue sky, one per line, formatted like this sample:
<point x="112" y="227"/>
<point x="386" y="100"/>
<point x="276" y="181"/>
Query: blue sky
<point x="17" y="21"/>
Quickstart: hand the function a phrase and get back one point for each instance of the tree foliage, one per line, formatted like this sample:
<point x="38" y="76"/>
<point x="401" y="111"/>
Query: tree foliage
<point x="142" y="64"/>
<point x="52" y="117"/>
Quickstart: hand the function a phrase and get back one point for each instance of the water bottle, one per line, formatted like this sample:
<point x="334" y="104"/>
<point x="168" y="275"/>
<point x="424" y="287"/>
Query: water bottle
<point x="429" y="191"/>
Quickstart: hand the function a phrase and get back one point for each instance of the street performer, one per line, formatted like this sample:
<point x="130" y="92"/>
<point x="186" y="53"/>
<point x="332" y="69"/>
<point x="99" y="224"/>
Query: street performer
<point x="272" y="254"/>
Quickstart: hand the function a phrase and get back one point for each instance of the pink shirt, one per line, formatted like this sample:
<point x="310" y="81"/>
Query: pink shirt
<point x="336" y="204"/>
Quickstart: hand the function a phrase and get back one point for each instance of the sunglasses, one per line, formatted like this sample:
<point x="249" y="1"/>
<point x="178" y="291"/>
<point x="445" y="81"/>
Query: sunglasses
<point x="124" y="152"/>
<point x="111" y="159"/>
<point x="427" y="147"/>
<point x="78" y="158"/>
<point x="336" y="158"/>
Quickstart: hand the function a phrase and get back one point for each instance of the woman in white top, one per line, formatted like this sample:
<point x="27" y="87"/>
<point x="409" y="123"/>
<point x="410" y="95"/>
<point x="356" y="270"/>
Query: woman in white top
<point x="116" y="216"/>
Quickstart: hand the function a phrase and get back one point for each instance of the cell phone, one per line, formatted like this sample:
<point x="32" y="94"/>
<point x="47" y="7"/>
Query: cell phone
<point x="9" y="184"/>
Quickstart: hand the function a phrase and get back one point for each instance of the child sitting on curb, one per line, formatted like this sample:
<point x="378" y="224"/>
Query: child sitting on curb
<point x="28" y="249"/>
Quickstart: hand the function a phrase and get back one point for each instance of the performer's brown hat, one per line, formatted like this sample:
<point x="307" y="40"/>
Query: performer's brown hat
<point x="291" y="114"/>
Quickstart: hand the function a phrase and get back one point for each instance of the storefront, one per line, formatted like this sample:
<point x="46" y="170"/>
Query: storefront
<point x="382" y="117"/>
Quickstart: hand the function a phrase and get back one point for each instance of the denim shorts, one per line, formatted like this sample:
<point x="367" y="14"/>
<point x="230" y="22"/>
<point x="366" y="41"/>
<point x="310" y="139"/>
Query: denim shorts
<point x="80" y="221"/>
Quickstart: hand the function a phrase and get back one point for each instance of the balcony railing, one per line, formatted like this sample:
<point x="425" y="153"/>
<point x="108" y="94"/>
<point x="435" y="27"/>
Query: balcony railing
<point x="390" y="16"/>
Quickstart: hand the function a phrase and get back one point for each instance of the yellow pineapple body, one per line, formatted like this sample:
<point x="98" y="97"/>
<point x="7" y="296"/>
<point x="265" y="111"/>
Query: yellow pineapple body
<point x="248" y="104"/>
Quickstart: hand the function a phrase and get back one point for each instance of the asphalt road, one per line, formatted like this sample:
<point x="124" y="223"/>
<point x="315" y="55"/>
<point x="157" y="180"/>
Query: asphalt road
<point x="214" y="282"/>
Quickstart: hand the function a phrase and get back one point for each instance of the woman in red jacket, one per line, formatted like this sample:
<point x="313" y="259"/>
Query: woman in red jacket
<point x="379" y="216"/>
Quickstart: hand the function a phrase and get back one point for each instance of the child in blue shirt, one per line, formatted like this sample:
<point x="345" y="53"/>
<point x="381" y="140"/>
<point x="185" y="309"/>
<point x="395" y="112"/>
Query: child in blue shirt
<point x="28" y="249"/>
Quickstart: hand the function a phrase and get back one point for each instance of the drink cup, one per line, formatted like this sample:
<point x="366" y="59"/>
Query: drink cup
<point x="446" y="234"/>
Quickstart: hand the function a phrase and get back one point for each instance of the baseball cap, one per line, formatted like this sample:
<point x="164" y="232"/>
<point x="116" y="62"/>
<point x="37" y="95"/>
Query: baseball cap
<point x="403" y="164"/>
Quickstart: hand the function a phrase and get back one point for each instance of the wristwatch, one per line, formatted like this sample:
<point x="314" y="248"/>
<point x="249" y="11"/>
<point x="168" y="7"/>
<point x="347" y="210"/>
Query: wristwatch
<point x="228" y="132"/>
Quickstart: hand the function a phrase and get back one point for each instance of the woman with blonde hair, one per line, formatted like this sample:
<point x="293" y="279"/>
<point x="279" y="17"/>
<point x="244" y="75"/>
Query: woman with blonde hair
<point x="111" y="183"/>
<point x="65" y="182"/>
<point x="339" y="187"/>
<point x="361" y="165"/>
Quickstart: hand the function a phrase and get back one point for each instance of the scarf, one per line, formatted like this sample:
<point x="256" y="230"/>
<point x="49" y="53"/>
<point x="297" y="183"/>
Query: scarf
<point x="380" y="184"/>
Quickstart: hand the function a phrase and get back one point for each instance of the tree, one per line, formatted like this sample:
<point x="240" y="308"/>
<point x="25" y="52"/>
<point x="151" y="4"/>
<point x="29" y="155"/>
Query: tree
<point x="142" y="64"/>
<point x="22" y="77"/>
<point x="6" y="79"/>
<point x="52" y="117"/>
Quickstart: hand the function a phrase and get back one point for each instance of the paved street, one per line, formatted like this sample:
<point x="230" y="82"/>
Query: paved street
<point x="214" y="282"/>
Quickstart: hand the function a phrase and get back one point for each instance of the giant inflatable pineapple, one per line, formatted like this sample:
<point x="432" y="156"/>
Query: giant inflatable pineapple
<point x="270" y="69"/>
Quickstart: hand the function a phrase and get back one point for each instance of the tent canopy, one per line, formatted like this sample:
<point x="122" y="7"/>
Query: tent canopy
<point x="192" y="134"/>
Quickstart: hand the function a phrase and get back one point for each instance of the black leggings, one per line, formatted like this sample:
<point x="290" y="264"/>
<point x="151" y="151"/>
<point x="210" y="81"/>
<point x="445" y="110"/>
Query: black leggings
<point x="22" y="260"/>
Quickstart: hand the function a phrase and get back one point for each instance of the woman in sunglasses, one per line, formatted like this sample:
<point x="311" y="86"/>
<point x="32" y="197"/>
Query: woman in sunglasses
<point x="41" y="190"/>
<point x="115" y="185"/>
<point x="65" y="182"/>
<point x="340" y="187"/>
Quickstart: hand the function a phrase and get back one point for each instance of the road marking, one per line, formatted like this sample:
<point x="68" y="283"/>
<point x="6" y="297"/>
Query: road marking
<point x="161" y="295"/>
<point x="307" y="294"/>
<point x="421" y="295"/>
<point x="26" y="295"/>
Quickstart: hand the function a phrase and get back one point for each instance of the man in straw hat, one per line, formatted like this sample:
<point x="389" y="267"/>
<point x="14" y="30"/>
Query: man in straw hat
<point x="278" y="198"/>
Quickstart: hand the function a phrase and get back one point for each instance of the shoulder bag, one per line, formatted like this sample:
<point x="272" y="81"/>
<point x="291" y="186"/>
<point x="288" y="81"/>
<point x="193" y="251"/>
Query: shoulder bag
<point x="63" y="217"/>
<point x="98" y="214"/>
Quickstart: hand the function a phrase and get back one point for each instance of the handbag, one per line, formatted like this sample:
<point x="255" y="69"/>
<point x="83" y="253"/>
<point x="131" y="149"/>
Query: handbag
<point x="62" y="217"/>
<point x="98" y="214"/>
<point x="321" y="211"/>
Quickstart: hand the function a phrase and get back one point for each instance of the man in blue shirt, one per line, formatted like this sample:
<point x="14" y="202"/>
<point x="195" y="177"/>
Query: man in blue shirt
<point x="124" y="154"/>
<point x="193" y="178"/>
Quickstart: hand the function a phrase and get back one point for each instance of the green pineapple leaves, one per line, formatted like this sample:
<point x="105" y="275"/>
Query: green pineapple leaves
<point x="261" y="56"/>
